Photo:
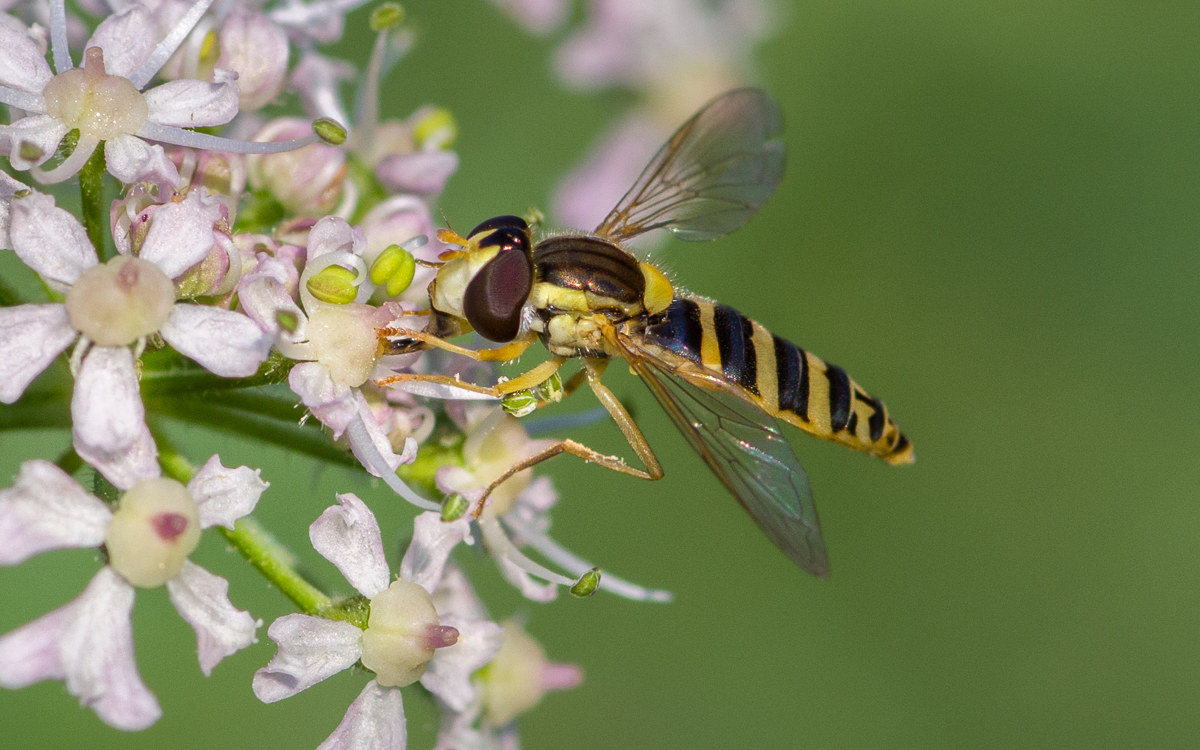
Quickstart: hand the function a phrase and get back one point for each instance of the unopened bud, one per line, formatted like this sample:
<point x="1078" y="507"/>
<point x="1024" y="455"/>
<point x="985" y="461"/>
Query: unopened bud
<point x="454" y="507"/>
<point x="551" y="389"/>
<point x="394" y="269"/>
<point x="334" y="284"/>
<point x="386" y="16"/>
<point x="436" y="130"/>
<point x="329" y="131"/>
<point x="520" y="403"/>
<point x="587" y="583"/>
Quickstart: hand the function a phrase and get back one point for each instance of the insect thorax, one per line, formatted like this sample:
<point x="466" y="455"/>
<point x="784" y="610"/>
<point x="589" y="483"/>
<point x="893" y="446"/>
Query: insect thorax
<point x="581" y="282"/>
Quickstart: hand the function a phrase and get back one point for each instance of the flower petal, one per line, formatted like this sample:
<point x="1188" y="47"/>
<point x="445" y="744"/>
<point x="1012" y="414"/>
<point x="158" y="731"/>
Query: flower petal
<point x="380" y="447"/>
<point x="449" y="673"/>
<point x="263" y="297"/>
<point x="127" y="39"/>
<point x="190" y="103"/>
<point x="31" y="336"/>
<point x="423" y="172"/>
<point x="258" y="50"/>
<point x="96" y="653"/>
<point x="41" y="132"/>
<point x="131" y="160"/>
<point x="202" y="599"/>
<point x="311" y="649"/>
<point x="46" y="509"/>
<point x="347" y="535"/>
<point x="454" y="596"/>
<point x="316" y="79"/>
<point x="110" y="420"/>
<point x="225" y="495"/>
<point x="331" y="403"/>
<point x="50" y="240"/>
<point x="181" y="234"/>
<point x="374" y="721"/>
<point x="225" y="342"/>
<point x="333" y="233"/>
<point x="433" y="540"/>
<point x="30" y="654"/>
<point x="22" y="65"/>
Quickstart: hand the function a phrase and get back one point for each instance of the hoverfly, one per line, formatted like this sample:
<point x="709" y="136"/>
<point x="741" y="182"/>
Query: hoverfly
<point x="723" y="379"/>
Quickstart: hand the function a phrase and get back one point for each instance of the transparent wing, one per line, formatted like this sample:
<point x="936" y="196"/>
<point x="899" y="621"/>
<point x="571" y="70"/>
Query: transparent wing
<point x="743" y="446"/>
<point x="718" y="169"/>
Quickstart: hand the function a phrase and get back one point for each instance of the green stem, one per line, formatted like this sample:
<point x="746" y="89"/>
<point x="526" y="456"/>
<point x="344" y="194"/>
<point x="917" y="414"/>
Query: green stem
<point x="254" y="543"/>
<point x="91" y="191"/>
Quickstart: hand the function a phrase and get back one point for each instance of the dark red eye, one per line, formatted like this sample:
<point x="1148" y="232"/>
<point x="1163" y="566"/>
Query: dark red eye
<point x="494" y="298"/>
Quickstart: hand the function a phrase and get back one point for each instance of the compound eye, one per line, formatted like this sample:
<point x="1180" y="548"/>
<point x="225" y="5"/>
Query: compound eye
<point x="500" y="221"/>
<point x="494" y="298"/>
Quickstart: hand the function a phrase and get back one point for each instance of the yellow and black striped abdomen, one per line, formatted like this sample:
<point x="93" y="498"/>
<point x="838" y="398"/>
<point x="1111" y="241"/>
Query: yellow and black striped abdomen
<point x="788" y="382"/>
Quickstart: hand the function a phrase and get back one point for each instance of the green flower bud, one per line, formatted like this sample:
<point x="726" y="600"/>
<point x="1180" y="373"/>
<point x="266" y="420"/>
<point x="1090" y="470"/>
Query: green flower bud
<point x="329" y="131"/>
<point x="587" y="583"/>
<point x="334" y="284"/>
<point x="520" y="403"/>
<point x="394" y="268"/>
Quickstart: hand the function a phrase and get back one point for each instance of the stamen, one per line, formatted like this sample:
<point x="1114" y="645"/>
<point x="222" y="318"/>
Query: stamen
<point x="364" y="448"/>
<point x="169" y="44"/>
<point x="22" y="100"/>
<point x="180" y="137"/>
<point x="499" y="543"/>
<point x="368" y="104"/>
<point x="58" y="37"/>
<point x="578" y="566"/>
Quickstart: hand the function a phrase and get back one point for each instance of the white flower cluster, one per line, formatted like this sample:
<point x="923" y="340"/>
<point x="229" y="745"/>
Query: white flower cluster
<point x="265" y="256"/>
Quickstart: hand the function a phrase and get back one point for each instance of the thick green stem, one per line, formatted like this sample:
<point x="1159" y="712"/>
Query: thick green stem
<point x="91" y="191"/>
<point x="254" y="543"/>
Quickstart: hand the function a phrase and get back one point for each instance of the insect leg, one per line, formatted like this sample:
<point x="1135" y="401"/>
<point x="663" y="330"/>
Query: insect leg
<point x="653" y="470"/>
<point x="504" y="353"/>
<point x="529" y="379"/>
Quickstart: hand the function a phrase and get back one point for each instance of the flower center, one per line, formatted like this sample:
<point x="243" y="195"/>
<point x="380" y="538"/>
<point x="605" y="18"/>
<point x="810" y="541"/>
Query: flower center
<point x="100" y="105"/>
<point x="345" y="341"/>
<point x="156" y="526"/>
<point x="402" y="633"/>
<point x="119" y="302"/>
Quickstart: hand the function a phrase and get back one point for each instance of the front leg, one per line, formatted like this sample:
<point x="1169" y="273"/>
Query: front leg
<point x="506" y="353"/>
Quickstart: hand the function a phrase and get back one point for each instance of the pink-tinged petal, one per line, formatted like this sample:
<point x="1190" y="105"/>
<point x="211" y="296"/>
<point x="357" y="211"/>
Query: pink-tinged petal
<point x="127" y="39"/>
<point x="590" y="191"/>
<point x="97" y="655"/>
<point x="529" y="587"/>
<point x="225" y="495"/>
<point x="109" y="419"/>
<point x="433" y="540"/>
<point x="192" y="104"/>
<point x="22" y="65"/>
<point x="538" y="17"/>
<point x="332" y="234"/>
<point x="50" y="240"/>
<point x="454" y="596"/>
<point x="258" y="50"/>
<point x="374" y="721"/>
<point x="225" y="342"/>
<point x="30" y="653"/>
<point x="8" y="188"/>
<point x="46" y="509"/>
<point x="263" y="298"/>
<point x="181" y="234"/>
<point x="449" y="673"/>
<point x="202" y="599"/>
<point x="424" y="172"/>
<point x="331" y="403"/>
<point x="311" y="649"/>
<point x="132" y="160"/>
<point x="42" y="132"/>
<point x="347" y="535"/>
<point x="31" y="336"/>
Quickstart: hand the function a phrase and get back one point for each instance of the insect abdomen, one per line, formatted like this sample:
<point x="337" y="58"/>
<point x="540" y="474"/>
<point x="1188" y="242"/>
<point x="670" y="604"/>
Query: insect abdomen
<point x="790" y="383"/>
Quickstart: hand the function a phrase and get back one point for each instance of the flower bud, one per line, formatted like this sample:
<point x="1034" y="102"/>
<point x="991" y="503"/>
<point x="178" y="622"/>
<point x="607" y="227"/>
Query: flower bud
<point x="306" y="181"/>
<point x="257" y="50"/>
<point x="519" y="677"/>
<point x="154" y="529"/>
<point x="402" y="634"/>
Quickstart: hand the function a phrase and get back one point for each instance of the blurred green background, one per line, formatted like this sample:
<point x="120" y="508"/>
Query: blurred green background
<point x="990" y="220"/>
